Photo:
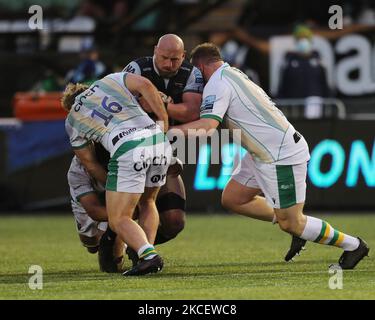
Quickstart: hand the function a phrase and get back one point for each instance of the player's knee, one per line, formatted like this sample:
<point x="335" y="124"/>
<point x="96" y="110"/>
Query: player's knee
<point x="115" y="222"/>
<point x="171" y="202"/>
<point x="172" y="222"/>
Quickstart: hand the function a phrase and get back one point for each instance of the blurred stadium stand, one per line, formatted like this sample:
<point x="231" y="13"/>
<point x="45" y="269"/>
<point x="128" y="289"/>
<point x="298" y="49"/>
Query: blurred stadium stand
<point x="37" y="151"/>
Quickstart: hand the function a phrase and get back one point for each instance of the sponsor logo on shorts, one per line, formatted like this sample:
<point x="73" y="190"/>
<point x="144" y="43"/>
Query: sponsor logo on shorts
<point x="129" y="131"/>
<point x="143" y="164"/>
<point x="287" y="186"/>
<point x="156" y="178"/>
<point x="150" y="126"/>
<point x="125" y="133"/>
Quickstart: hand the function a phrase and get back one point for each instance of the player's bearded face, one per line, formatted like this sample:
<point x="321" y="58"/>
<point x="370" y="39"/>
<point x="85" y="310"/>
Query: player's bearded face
<point x="168" y="62"/>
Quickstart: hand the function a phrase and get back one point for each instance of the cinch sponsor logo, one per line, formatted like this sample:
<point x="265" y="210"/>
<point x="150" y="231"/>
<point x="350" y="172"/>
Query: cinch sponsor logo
<point x="358" y="163"/>
<point x="146" y="162"/>
<point x="89" y="92"/>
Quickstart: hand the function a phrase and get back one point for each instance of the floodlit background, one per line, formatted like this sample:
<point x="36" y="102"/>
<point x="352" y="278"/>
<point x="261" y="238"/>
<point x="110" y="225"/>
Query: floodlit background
<point x="329" y="97"/>
<point x="322" y="78"/>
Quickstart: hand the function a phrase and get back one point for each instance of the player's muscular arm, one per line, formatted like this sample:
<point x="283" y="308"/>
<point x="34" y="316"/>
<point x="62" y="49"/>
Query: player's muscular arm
<point x="143" y="86"/>
<point x="87" y="157"/>
<point x="96" y="211"/>
<point x="204" y="126"/>
<point x="188" y="110"/>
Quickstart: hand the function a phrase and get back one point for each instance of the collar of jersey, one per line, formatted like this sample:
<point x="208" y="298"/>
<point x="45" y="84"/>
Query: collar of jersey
<point x="225" y="65"/>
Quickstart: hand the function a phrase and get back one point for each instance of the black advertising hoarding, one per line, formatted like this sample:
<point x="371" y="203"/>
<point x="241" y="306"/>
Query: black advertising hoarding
<point x="341" y="172"/>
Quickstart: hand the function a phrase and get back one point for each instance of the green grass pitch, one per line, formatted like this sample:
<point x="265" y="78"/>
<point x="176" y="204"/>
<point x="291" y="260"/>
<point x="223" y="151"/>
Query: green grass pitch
<point x="215" y="257"/>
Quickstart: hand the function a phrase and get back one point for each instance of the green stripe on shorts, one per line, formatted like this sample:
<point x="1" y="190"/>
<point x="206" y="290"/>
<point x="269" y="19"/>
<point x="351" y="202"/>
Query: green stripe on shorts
<point x="111" y="184"/>
<point x="129" y="145"/>
<point x="286" y="186"/>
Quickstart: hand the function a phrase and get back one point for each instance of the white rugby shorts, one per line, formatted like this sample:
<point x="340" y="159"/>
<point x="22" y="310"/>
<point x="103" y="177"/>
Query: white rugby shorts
<point x="282" y="185"/>
<point x="139" y="163"/>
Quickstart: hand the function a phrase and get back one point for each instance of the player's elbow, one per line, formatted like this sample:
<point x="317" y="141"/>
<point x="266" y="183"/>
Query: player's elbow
<point x="173" y="223"/>
<point x="91" y="166"/>
<point x="91" y="212"/>
<point x="145" y="85"/>
<point x="193" y="115"/>
<point x="191" y="111"/>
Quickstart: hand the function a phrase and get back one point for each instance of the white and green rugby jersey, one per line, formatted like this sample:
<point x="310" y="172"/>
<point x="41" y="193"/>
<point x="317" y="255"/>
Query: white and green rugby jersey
<point x="106" y="108"/>
<point x="233" y="99"/>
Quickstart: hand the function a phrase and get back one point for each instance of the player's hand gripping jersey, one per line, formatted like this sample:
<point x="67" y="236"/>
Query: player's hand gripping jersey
<point x="233" y="99"/>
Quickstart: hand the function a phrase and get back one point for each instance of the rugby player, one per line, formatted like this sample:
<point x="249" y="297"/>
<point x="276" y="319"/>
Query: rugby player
<point x="107" y="112"/>
<point x="89" y="212"/>
<point x="276" y="162"/>
<point x="182" y="86"/>
<point x="182" y="83"/>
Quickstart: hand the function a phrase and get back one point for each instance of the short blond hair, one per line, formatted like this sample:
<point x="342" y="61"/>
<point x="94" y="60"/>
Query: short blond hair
<point x="70" y="93"/>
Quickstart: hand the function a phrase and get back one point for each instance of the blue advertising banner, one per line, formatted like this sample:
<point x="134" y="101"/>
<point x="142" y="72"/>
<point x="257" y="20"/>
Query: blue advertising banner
<point x="341" y="171"/>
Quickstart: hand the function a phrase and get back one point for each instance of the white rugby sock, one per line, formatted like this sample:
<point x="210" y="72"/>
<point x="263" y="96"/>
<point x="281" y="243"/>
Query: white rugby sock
<point x="147" y="252"/>
<point x="320" y="231"/>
